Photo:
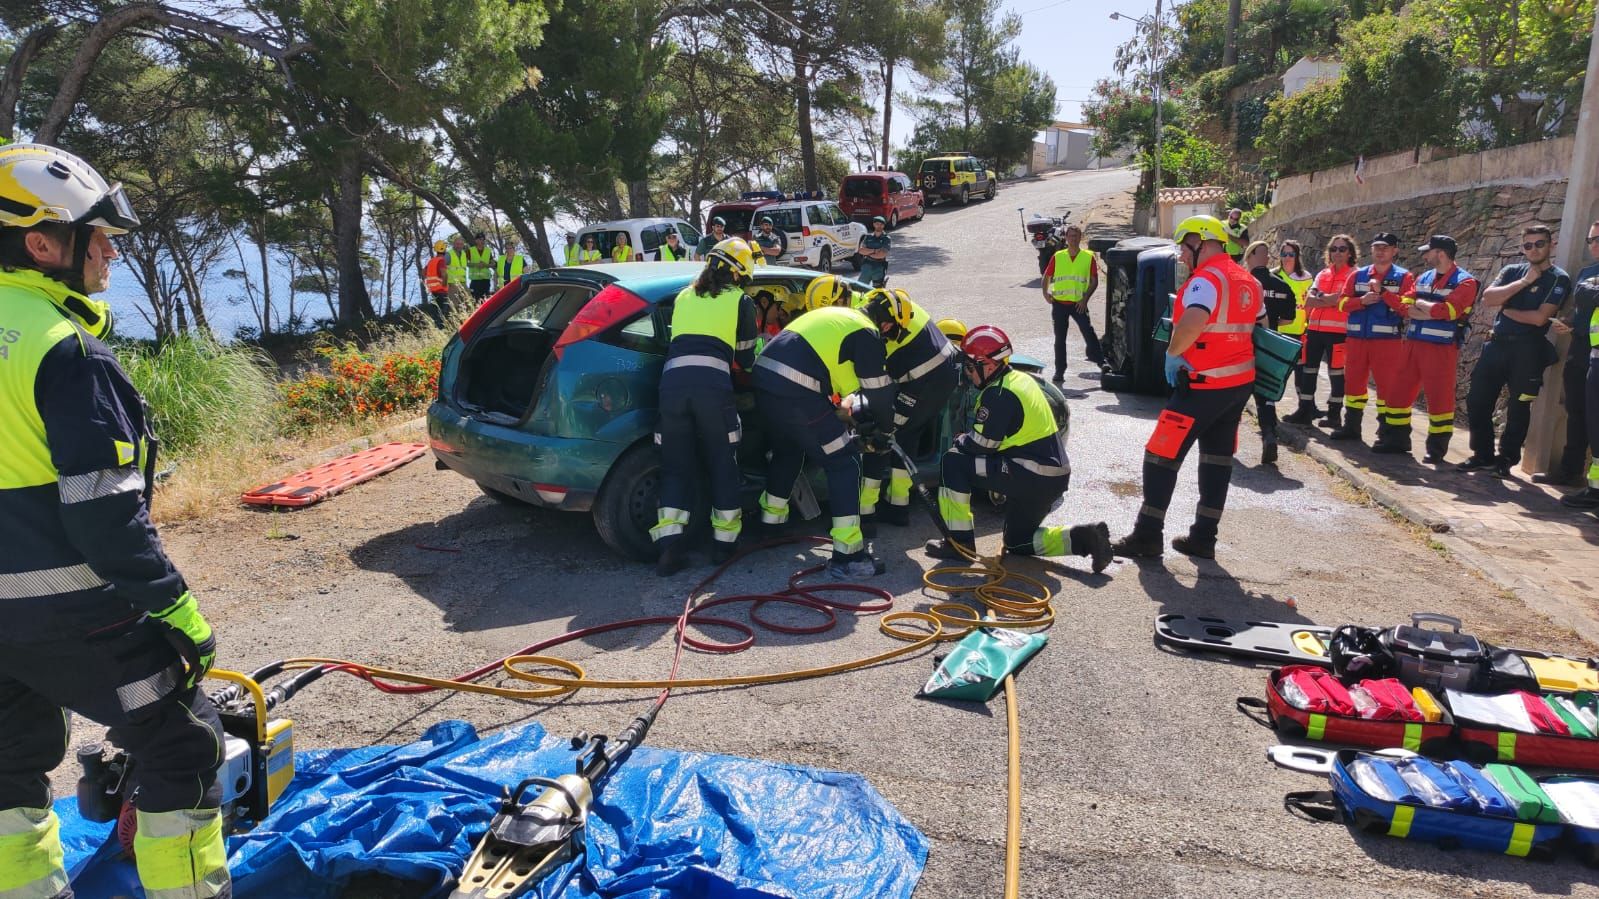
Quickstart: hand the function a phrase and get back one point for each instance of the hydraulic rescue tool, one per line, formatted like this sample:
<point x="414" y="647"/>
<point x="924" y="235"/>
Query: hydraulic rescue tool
<point x="527" y="841"/>
<point x="257" y="755"/>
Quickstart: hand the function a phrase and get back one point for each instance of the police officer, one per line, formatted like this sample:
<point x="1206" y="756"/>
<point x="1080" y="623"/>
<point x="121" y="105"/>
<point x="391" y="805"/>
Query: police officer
<point x="672" y="250"/>
<point x="1280" y="308"/>
<point x="717" y="235"/>
<point x="1575" y="376"/>
<point x="771" y="243"/>
<point x="480" y="267"/>
<point x="511" y="265"/>
<point x="1374" y="301"/>
<point x="1237" y="234"/>
<point x="1437" y="309"/>
<point x="921" y="360"/>
<point x="1213" y="341"/>
<point x="1017" y="449"/>
<point x="713" y="328"/>
<point x="873" y="250"/>
<point x="1325" y="329"/>
<point x="572" y="249"/>
<point x="1070" y="280"/>
<point x="827" y="351"/>
<point x="98" y="621"/>
<point x="1527" y="295"/>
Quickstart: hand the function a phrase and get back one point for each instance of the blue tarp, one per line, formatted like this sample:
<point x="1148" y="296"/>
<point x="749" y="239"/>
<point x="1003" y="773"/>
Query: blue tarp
<point x="664" y="824"/>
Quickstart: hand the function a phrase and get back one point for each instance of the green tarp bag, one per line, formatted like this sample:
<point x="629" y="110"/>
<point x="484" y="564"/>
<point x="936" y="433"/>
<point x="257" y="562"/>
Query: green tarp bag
<point x="978" y="665"/>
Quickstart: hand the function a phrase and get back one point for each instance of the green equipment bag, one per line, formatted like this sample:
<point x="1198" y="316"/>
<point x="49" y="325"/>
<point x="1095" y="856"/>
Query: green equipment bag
<point x="978" y="665"/>
<point x="1275" y="355"/>
<point x="1529" y="800"/>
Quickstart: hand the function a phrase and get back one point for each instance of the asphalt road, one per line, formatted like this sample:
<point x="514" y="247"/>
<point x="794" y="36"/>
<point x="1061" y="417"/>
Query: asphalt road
<point x="1140" y="778"/>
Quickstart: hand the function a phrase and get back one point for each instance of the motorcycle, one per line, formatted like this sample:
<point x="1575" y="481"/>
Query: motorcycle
<point x="1045" y="232"/>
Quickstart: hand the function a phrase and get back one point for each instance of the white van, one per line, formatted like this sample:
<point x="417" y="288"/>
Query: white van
<point x="645" y="236"/>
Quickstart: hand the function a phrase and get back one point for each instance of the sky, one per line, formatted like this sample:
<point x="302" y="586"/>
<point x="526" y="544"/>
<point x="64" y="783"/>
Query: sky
<point x="1072" y="41"/>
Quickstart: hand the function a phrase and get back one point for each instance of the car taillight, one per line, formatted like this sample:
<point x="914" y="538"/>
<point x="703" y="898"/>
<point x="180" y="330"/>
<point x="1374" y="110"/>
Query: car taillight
<point x="488" y="309"/>
<point x="805" y="231"/>
<point x="610" y="307"/>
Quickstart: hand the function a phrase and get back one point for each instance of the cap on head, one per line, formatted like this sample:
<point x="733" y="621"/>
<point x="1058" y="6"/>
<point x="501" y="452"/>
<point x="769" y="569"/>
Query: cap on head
<point x="719" y="221"/>
<point x="1441" y="242"/>
<point x="1385" y="238"/>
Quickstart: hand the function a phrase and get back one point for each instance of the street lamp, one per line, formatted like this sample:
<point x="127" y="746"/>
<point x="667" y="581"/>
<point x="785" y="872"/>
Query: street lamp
<point x="1155" y="61"/>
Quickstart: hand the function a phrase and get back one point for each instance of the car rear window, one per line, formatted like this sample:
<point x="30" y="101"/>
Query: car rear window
<point x="737" y="219"/>
<point x="863" y="188"/>
<point x="935" y="165"/>
<point x="784" y="219"/>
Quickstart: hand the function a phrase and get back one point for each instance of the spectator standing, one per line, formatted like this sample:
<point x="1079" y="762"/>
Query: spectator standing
<point x="718" y="232"/>
<point x="1325" y="326"/>
<point x="1278" y="308"/>
<point x="1237" y="234"/>
<point x="1070" y="279"/>
<point x="1373" y="300"/>
<point x="1437" y="309"/>
<point x="1578" y="395"/>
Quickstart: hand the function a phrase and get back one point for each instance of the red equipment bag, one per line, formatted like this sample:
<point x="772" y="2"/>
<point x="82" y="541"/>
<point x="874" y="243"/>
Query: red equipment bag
<point x="1487" y="743"/>
<point x="1350" y="730"/>
<point x="1394" y="702"/>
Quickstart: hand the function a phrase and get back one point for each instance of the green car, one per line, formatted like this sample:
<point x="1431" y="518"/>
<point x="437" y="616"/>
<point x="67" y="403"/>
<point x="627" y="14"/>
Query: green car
<point x="547" y="395"/>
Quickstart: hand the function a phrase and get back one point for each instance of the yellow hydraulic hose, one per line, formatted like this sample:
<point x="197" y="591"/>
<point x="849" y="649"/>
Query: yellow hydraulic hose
<point x="1016" y="601"/>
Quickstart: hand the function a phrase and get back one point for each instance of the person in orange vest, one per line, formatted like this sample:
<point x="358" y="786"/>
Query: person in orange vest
<point x="1324" y="335"/>
<point x="1372" y="300"/>
<point x="1437" y="310"/>
<point x="436" y="282"/>
<point x="1210" y="361"/>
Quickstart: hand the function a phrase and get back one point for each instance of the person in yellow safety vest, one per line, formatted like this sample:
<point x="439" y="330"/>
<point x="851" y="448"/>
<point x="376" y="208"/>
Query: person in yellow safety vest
<point x="1070" y="280"/>
<point x="1016" y="448"/>
<point x="826" y="352"/>
<point x="672" y="250"/>
<point x="713" y="330"/>
<point x="480" y="267"/>
<point x="1237" y="234"/>
<point x="571" y="249"/>
<point x="97" y="619"/>
<point x="622" y="248"/>
<point x="456" y="270"/>
<point x="589" y="254"/>
<point x="511" y="265"/>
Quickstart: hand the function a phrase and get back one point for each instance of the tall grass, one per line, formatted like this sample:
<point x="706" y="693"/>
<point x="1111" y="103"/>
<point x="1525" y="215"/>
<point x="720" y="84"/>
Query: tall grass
<point x="202" y="394"/>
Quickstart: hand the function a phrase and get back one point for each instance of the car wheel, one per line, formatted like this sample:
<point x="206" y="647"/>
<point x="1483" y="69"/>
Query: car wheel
<point x="921" y="212"/>
<point x="991" y="189"/>
<point x="893" y="220"/>
<point x="824" y="262"/>
<point x="626" y="507"/>
<point x="966" y="195"/>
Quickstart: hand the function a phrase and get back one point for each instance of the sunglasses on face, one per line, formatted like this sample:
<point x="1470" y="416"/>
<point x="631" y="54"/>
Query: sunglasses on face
<point x="1338" y="249"/>
<point x="1287" y="254"/>
<point x="1593" y="240"/>
<point x="1535" y="245"/>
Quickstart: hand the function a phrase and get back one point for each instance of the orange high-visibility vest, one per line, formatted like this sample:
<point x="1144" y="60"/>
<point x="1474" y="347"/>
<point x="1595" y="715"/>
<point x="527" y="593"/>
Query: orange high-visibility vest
<point x="1224" y="354"/>
<point x="433" y="275"/>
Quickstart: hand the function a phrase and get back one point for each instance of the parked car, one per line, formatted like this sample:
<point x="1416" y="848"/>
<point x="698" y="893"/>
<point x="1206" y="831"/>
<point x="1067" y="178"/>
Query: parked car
<point x="547" y="395"/>
<point x="819" y="233"/>
<point x="740" y="214"/>
<point x="892" y="195"/>
<point x="956" y="176"/>
<point x="645" y="236"/>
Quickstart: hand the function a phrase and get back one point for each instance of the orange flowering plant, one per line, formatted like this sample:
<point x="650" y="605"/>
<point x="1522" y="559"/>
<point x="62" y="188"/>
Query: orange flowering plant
<point x="358" y="386"/>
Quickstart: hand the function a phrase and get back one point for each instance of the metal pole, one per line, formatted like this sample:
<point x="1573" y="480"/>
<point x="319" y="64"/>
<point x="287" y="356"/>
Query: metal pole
<point x="1545" y="439"/>
<point x="1154" y="197"/>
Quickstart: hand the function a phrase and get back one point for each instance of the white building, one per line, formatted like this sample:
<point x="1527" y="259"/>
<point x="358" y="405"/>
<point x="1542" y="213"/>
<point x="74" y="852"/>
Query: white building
<point x="1309" y="70"/>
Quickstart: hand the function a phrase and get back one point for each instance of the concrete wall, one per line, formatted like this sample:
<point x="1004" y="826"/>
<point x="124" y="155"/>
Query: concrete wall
<point x="1483" y="200"/>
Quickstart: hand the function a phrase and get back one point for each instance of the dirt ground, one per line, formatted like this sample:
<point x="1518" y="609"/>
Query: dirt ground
<point x="1139" y="777"/>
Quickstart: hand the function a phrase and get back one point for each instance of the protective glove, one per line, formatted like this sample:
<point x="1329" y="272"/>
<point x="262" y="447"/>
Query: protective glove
<point x="878" y="442"/>
<point x="865" y="424"/>
<point x="190" y="634"/>
<point x="1175" y="365"/>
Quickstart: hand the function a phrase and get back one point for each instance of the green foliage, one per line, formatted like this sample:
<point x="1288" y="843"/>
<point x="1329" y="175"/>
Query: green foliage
<point x="1124" y="118"/>
<point x="1249" y="116"/>
<point x="202" y="394"/>
<point x="360" y="385"/>
<point x="1190" y="160"/>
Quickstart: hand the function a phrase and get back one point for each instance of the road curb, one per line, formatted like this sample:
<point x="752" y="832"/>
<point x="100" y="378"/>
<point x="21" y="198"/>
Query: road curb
<point x="1557" y="608"/>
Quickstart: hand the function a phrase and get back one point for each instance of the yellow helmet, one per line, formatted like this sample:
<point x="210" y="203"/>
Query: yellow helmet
<point x="1208" y="227"/>
<point x="825" y="291"/>
<point x="438" y="246"/>
<point x="39" y="183"/>
<point x="884" y="307"/>
<point x="952" y="328"/>
<point x="734" y="254"/>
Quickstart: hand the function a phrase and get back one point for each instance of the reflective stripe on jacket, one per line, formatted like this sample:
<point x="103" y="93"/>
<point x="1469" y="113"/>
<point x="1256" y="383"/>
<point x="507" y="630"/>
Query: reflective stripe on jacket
<point x="1224" y="354"/>
<point x="1379" y="321"/>
<point x="1446" y="321"/>
<point x="1069" y="284"/>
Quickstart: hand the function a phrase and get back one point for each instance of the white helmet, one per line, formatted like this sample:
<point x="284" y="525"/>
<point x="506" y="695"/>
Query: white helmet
<point x="47" y="184"/>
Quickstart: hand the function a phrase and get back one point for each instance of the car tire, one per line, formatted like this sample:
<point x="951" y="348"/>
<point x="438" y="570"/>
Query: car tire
<point x="991" y="190"/>
<point x="966" y="195"/>
<point x="626" y="507"/>
<point x="921" y="211"/>
<point x="893" y="220"/>
<point x="824" y="262"/>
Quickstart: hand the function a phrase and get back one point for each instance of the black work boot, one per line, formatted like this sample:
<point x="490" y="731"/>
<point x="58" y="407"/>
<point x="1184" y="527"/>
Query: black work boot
<point x="1139" y="546"/>
<point x="1559" y="477"/>
<point x="1304" y="415"/>
<point x="671" y="560"/>
<point x="1586" y="499"/>
<point x="855" y="565"/>
<point x="1093" y="541"/>
<point x="1197" y="546"/>
<point x="942" y="549"/>
<point x="898" y="516"/>
<point x="1350" y="429"/>
<point x="1392" y="440"/>
<point x="722" y="551"/>
<point x="1333" y="418"/>
<point x="1437" y="448"/>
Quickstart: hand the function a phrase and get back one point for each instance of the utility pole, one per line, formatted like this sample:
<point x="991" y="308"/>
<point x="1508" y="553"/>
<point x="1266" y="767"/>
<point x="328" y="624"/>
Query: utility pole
<point x="1547" y="435"/>
<point x="1160" y="76"/>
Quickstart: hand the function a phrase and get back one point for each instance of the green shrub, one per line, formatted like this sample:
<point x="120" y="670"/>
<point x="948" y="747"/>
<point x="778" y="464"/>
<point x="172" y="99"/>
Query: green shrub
<point x="202" y="394"/>
<point x="360" y="385"/>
